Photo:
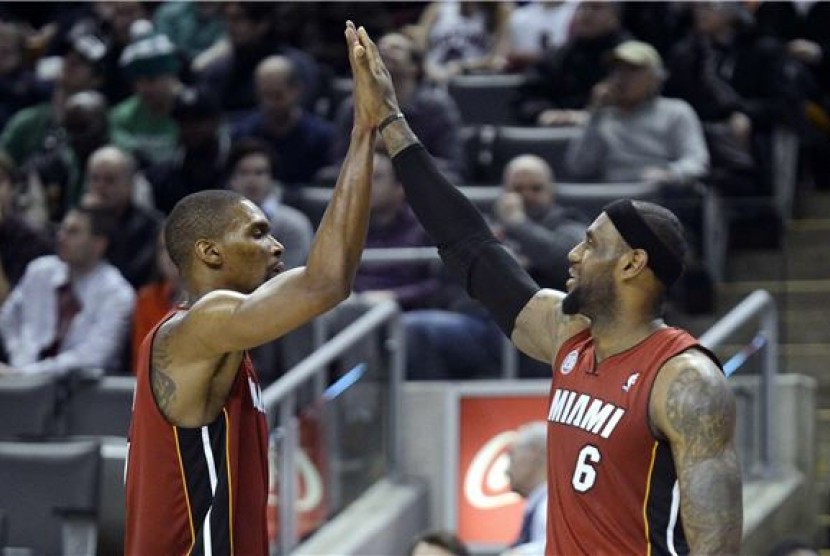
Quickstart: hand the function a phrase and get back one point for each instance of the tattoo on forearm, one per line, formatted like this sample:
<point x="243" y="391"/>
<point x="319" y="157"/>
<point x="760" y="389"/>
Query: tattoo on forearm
<point x="703" y="413"/>
<point x="164" y="388"/>
<point x="397" y="136"/>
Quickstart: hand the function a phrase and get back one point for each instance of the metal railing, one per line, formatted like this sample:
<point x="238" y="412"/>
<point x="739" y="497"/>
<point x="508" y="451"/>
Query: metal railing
<point x="758" y="307"/>
<point x="282" y="399"/>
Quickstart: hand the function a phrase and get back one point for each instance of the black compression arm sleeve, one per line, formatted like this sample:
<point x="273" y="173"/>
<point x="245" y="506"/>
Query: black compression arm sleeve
<point x="465" y="242"/>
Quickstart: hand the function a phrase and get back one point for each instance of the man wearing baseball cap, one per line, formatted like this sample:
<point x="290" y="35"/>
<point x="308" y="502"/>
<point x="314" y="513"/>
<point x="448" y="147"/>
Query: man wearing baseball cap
<point x="142" y="124"/>
<point x="633" y="133"/>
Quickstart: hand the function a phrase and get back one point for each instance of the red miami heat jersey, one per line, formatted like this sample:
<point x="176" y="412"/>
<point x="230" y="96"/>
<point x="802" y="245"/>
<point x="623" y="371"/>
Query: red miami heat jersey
<point x="197" y="491"/>
<point x="612" y="484"/>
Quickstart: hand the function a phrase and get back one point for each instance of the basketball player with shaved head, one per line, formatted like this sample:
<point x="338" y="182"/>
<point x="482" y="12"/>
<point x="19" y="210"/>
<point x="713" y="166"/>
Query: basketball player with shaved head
<point x="197" y="473"/>
<point x="641" y="455"/>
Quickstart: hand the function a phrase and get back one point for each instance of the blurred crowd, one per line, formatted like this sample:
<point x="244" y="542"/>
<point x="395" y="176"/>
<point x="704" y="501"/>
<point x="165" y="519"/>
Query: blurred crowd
<point x="110" y="112"/>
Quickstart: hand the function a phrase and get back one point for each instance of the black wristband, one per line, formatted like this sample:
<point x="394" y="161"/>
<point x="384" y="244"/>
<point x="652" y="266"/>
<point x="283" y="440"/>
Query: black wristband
<point x="389" y="119"/>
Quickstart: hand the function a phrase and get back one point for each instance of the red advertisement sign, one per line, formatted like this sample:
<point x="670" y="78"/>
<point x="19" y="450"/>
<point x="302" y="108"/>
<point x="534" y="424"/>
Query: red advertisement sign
<point x="488" y="512"/>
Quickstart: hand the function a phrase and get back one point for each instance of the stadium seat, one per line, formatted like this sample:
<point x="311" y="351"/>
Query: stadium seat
<point x="100" y="407"/>
<point x="50" y="495"/>
<point x="550" y="143"/>
<point x="27" y="407"/>
<point x="485" y="99"/>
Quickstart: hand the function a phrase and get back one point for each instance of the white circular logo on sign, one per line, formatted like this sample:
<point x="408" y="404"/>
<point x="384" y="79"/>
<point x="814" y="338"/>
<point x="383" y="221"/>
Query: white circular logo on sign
<point x="569" y="363"/>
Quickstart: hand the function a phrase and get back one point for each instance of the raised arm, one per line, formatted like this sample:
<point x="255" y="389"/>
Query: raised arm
<point x="693" y="408"/>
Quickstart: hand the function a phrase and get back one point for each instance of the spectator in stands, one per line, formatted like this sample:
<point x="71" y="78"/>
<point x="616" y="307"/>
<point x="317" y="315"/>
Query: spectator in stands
<point x="527" y="472"/>
<point x="558" y="88"/>
<point x="527" y="218"/>
<point x="81" y="70"/>
<point x="70" y="311"/>
<point x="199" y="161"/>
<point x="437" y="543"/>
<point x="536" y="27"/>
<point x="736" y="80"/>
<point x="19" y="88"/>
<point x="142" y="124"/>
<point x="803" y="28"/>
<point x="392" y="225"/>
<point x="192" y="26"/>
<point x="229" y="67"/>
<point x="251" y="172"/>
<point x="55" y="172"/>
<point x="111" y="175"/>
<point x="302" y="141"/>
<point x="634" y="134"/>
<point x="20" y="242"/>
<point x="155" y="299"/>
<point x="463" y="37"/>
<point x="430" y="111"/>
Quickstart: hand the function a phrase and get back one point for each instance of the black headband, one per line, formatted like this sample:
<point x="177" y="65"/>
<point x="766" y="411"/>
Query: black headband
<point x="630" y="224"/>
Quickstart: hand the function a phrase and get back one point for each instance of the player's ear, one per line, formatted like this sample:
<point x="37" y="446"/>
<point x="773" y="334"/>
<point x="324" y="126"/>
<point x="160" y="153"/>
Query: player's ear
<point x="634" y="261"/>
<point x="208" y="252"/>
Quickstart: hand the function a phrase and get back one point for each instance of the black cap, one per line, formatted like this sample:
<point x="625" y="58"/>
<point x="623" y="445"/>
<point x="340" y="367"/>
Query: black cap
<point x="195" y="104"/>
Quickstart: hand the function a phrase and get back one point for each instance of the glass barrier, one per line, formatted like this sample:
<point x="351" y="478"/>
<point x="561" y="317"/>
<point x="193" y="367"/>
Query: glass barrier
<point x="333" y="419"/>
<point x="746" y="340"/>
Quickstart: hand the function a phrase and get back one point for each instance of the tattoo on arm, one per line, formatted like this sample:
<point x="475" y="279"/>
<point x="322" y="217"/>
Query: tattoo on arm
<point x="164" y="388"/>
<point x="397" y="136"/>
<point x="702" y="413"/>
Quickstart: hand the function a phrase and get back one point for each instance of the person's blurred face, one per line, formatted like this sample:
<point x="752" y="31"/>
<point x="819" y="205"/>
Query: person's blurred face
<point x="632" y="85"/>
<point x="77" y="74"/>
<point x="252" y="177"/>
<point x="110" y="181"/>
<point x="155" y="90"/>
<point x="76" y="245"/>
<point x="241" y="30"/>
<point x="10" y="53"/>
<point x="711" y="18"/>
<point x="387" y="193"/>
<point x="396" y="52"/>
<point x="277" y="95"/>
<point x="86" y="128"/>
<point x="195" y="133"/>
<point x="594" y="19"/>
<point x="534" y="185"/>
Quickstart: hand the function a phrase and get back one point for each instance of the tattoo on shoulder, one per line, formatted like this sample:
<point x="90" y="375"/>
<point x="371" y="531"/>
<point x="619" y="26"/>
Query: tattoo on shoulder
<point x="164" y="387"/>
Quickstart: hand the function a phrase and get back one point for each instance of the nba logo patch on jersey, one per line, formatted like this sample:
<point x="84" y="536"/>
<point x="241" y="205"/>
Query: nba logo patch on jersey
<point x="569" y="363"/>
<point x="632" y="380"/>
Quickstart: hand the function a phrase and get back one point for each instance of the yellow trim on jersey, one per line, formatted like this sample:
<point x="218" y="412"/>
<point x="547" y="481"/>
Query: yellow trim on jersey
<point x="184" y="487"/>
<point x="230" y="482"/>
<point x="645" y="498"/>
